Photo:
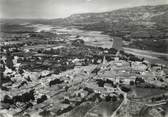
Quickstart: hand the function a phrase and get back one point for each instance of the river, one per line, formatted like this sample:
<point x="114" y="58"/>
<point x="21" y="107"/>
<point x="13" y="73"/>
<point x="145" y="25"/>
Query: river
<point x="97" y="38"/>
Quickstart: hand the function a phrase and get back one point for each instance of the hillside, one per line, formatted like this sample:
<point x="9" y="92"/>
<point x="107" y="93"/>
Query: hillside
<point x="136" y="14"/>
<point x="144" y="27"/>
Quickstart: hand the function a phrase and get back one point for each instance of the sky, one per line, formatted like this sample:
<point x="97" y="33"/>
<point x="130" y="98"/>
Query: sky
<point x="63" y="8"/>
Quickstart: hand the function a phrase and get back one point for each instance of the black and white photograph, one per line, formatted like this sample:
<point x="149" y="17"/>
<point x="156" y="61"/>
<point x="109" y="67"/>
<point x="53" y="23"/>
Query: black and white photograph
<point x="83" y="58"/>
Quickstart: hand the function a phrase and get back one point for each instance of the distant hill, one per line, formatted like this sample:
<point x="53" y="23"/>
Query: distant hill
<point x="145" y="17"/>
<point x="136" y="14"/>
<point x="145" y="27"/>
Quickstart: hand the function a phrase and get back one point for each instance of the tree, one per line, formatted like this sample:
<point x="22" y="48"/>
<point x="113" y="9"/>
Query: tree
<point x="78" y="42"/>
<point x="139" y="80"/>
<point x="132" y="82"/>
<point x="9" y="59"/>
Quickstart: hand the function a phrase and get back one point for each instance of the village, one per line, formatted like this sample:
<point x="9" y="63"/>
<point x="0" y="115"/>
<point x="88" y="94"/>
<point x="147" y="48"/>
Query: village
<point x="60" y="80"/>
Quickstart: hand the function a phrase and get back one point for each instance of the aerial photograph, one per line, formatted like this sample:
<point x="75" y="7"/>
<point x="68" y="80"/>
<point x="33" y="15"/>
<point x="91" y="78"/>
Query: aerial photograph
<point x="83" y="58"/>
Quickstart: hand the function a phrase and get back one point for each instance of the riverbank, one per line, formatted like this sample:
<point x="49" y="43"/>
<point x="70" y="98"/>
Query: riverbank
<point x="98" y="39"/>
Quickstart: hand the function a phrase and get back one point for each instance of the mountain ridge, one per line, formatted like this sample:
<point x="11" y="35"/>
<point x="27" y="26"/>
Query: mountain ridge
<point x="144" y="27"/>
<point x="163" y="5"/>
